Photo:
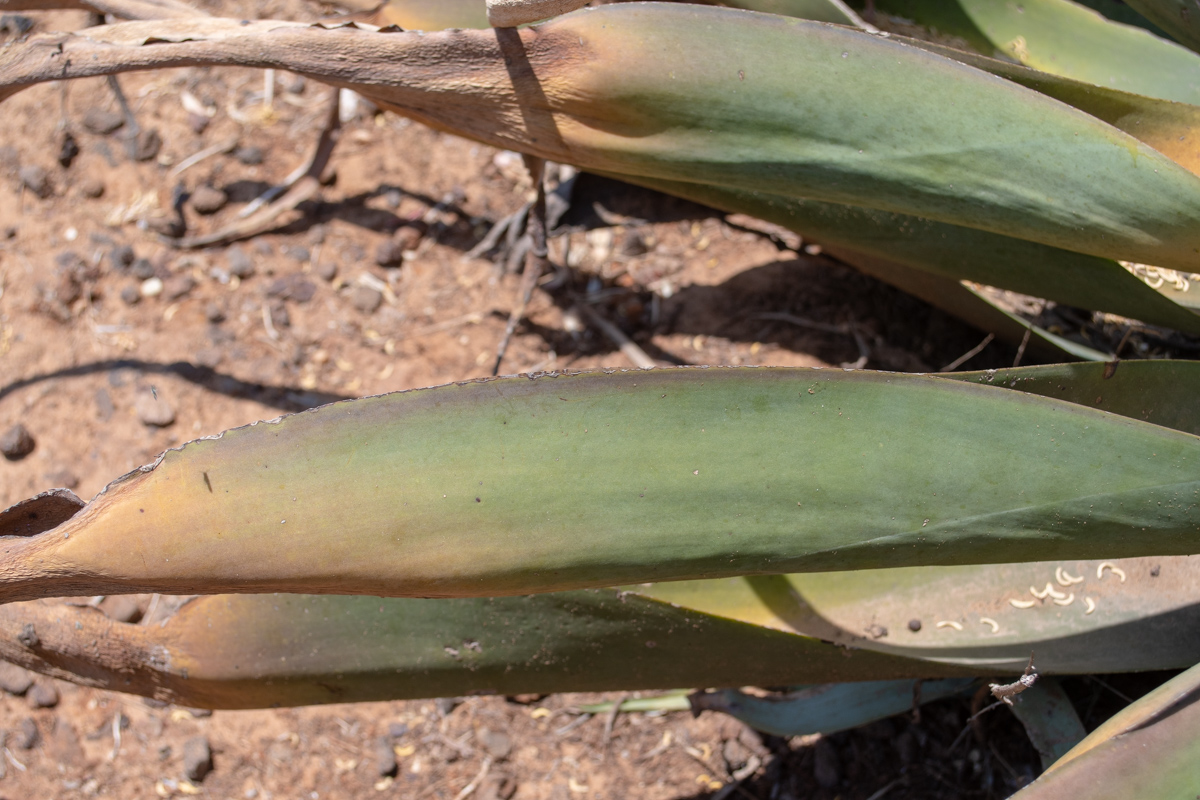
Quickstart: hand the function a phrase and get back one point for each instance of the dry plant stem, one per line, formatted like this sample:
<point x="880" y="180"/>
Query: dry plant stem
<point x="1006" y="691"/>
<point x="302" y="185"/>
<point x="974" y="351"/>
<point x="617" y="336"/>
<point x="535" y="262"/>
<point x="122" y="9"/>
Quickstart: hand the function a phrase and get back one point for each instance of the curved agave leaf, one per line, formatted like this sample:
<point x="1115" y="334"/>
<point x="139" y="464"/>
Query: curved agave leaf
<point x="1160" y="392"/>
<point x="243" y="651"/>
<point x="531" y="485"/>
<point x="1049" y="718"/>
<point x="1149" y="749"/>
<point x="1176" y="17"/>
<point x="827" y="708"/>
<point x="1068" y="39"/>
<point x="750" y="101"/>
<point x="869" y="239"/>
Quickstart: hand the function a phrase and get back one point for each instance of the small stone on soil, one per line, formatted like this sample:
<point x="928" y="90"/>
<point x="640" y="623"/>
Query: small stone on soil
<point x="142" y="269"/>
<point x="27" y="735"/>
<point x="914" y="625"/>
<point x="154" y="411"/>
<point x="214" y="313"/>
<point x="177" y="287"/>
<point x="208" y="199"/>
<point x="42" y="695"/>
<point x="152" y="287"/>
<point x="366" y="299"/>
<point x="35" y="179"/>
<point x="131" y="296"/>
<point x="16" y="443"/>
<point x="122" y="256"/>
<point x="397" y="729"/>
<point x="250" y="155"/>
<point x="498" y="745"/>
<point x="327" y="270"/>
<point x="68" y="149"/>
<point x="292" y="287"/>
<point x="147" y="146"/>
<point x="102" y="122"/>
<point x="197" y="122"/>
<point x="13" y="679"/>
<point x="62" y="479"/>
<point x="197" y="758"/>
<point x="385" y="758"/>
<point x="240" y="265"/>
<point x="91" y="187"/>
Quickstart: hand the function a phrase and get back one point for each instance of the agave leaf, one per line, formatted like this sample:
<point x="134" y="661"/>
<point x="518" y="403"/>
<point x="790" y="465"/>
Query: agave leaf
<point x="1049" y="719"/>
<point x="241" y="651"/>
<point x="1161" y="392"/>
<point x="757" y="102"/>
<point x="1148" y="750"/>
<point x="433" y="15"/>
<point x="1068" y="39"/>
<point x="1176" y="17"/>
<point x="882" y="243"/>
<point x="532" y="485"/>
<point x="827" y="708"/>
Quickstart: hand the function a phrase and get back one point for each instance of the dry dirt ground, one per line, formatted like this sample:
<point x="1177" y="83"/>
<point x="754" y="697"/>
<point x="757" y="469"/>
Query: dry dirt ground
<point x="115" y="346"/>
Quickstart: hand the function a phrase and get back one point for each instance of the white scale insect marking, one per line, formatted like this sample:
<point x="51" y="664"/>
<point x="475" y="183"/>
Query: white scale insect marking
<point x="1091" y="605"/>
<point x="1022" y="603"/>
<point x="1065" y="601"/>
<point x="1065" y="578"/>
<point x="950" y="624"/>
<point x="1120" y="573"/>
<point x="989" y="621"/>
<point x="1049" y="591"/>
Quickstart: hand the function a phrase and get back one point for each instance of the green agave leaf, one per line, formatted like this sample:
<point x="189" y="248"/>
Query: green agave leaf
<point x="433" y="15"/>
<point x="245" y="651"/>
<point x="1161" y="392"/>
<point x="882" y="243"/>
<point x="1149" y="750"/>
<point x="1068" y="39"/>
<point x="720" y="96"/>
<point x="531" y="485"/>
<point x="1049" y="719"/>
<point x="827" y="708"/>
<point x="1177" y="17"/>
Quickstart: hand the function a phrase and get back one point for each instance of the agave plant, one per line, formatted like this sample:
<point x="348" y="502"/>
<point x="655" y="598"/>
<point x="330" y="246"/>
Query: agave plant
<point x="794" y="526"/>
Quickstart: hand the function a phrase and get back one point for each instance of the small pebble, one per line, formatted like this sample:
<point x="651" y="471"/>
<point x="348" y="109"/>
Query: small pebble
<point x="42" y="695"/>
<point x="214" y="313"/>
<point x="91" y="187"/>
<point x="16" y="443"/>
<point x="298" y="254"/>
<point x="208" y="199"/>
<point x="149" y="142"/>
<point x="197" y="758"/>
<point x="68" y="149"/>
<point x="102" y="122"/>
<point x="177" y="287"/>
<point x="62" y="479"/>
<point x="15" y="680"/>
<point x="279" y="315"/>
<point x="446" y="705"/>
<point x="389" y="254"/>
<point x="397" y="729"/>
<point x="385" y="758"/>
<point x="152" y="287"/>
<point x="35" y="179"/>
<point x="250" y="155"/>
<point x="366" y="299"/>
<point x="240" y="264"/>
<point x="104" y="403"/>
<point x="498" y="744"/>
<point x="292" y="287"/>
<point x="27" y="735"/>
<point x="153" y="411"/>
<point x="131" y="296"/>
<point x="197" y="122"/>
<point x="142" y="269"/>
<point x="123" y="256"/>
<point x="327" y="270"/>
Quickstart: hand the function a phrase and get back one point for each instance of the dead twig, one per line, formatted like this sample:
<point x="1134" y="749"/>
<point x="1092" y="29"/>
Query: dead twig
<point x="535" y="262"/>
<point x="617" y="336"/>
<point x="967" y="356"/>
<point x="301" y="185"/>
